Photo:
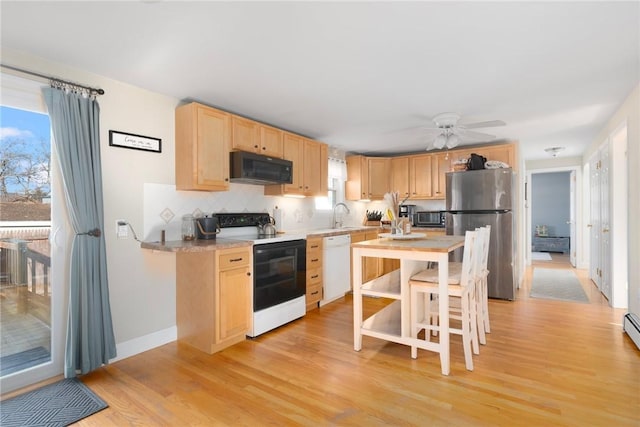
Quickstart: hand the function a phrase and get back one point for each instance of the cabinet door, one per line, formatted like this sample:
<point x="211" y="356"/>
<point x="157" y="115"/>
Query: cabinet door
<point x="440" y="165"/>
<point x="271" y="141"/>
<point x="400" y="176"/>
<point x="371" y="267"/>
<point x="379" y="169"/>
<point x="202" y="134"/>
<point x="234" y="303"/>
<point x="420" y="176"/>
<point x="356" y="186"/>
<point x="501" y="153"/>
<point x="324" y="169"/>
<point x="245" y="135"/>
<point x="292" y="150"/>
<point x="311" y="168"/>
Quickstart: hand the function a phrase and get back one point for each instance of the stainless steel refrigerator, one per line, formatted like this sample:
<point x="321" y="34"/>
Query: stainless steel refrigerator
<point x="485" y="197"/>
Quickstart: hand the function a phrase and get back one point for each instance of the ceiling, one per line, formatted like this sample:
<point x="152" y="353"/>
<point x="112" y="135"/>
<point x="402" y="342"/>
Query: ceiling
<point x="358" y="75"/>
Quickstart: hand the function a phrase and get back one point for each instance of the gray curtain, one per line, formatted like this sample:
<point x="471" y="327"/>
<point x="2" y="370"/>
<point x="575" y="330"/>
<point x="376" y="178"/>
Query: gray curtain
<point x="75" y="126"/>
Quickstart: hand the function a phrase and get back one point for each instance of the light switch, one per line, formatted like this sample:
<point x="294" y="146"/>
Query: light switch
<point x="122" y="230"/>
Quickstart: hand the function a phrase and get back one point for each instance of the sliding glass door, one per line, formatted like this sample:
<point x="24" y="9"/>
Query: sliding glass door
<point x="33" y="241"/>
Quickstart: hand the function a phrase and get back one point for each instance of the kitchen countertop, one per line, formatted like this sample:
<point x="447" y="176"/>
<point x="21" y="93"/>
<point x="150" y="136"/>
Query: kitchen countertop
<point x="221" y="243"/>
<point x="195" y="245"/>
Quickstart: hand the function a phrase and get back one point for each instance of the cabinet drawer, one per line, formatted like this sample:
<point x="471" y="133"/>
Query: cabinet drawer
<point x="314" y="244"/>
<point x="314" y="259"/>
<point x="314" y="277"/>
<point x="314" y="293"/>
<point x="234" y="260"/>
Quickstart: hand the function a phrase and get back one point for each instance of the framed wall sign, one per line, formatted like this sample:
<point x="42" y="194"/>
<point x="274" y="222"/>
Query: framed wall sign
<point x="135" y="142"/>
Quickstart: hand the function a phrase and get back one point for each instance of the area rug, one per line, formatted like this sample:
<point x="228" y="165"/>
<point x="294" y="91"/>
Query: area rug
<point x="59" y="404"/>
<point x="540" y="256"/>
<point x="24" y="359"/>
<point x="558" y="284"/>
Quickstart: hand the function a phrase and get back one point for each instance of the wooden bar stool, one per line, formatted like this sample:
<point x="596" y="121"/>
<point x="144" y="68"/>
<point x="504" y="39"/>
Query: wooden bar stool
<point x="462" y="286"/>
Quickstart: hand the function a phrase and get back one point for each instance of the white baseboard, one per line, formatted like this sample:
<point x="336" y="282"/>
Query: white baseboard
<point x="144" y="343"/>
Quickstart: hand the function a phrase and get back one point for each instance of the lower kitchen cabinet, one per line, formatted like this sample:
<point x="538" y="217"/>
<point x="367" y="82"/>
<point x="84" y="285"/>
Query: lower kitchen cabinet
<point x="314" y="272"/>
<point x="214" y="297"/>
<point x="372" y="267"/>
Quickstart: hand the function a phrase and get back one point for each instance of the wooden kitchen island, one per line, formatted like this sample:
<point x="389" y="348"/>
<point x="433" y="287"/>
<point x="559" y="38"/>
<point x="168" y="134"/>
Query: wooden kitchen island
<point x="393" y="322"/>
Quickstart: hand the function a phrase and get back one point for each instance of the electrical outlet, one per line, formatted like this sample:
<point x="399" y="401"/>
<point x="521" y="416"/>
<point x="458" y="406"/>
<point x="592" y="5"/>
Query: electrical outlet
<point x="122" y="230"/>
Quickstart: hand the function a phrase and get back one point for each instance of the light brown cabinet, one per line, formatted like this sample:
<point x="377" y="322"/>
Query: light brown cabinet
<point x="367" y="177"/>
<point x="310" y="168"/>
<point x="372" y="267"/>
<point x="254" y="137"/>
<point x="440" y="165"/>
<point x="400" y="176"/>
<point x="314" y="272"/>
<point x="202" y="144"/>
<point x="420" y="176"/>
<point x="214" y="297"/>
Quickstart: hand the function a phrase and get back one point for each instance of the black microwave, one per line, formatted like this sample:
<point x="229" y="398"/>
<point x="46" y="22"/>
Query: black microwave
<point x="250" y="168"/>
<point x="429" y="219"/>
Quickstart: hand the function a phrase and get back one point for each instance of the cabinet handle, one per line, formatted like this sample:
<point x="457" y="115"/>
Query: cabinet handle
<point x="314" y="246"/>
<point x="315" y="277"/>
<point x="315" y="293"/>
<point x="226" y="179"/>
<point x="264" y="148"/>
<point x="235" y="259"/>
<point x="255" y="146"/>
<point x="248" y="273"/>
<point x="314" y="260"/>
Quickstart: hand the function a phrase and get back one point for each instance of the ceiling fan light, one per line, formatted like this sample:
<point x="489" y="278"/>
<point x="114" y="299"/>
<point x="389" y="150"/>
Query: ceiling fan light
<point x="554" y="150"/>
<point x="453" y="141"/>
<point x="440" y="141"/>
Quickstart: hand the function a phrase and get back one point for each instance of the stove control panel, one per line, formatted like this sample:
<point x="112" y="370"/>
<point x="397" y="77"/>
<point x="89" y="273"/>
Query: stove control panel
<point x="226" y="220"/>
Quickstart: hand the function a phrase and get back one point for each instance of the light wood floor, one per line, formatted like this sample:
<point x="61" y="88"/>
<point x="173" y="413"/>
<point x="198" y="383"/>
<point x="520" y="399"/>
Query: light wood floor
<point x="546" y="363"/>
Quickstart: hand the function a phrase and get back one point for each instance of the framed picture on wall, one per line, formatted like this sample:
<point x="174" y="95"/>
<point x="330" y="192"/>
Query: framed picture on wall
<point x="134" y="142"/>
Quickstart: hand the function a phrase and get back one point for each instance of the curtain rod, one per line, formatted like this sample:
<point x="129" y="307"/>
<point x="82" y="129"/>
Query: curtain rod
<point x="90" y="89"/>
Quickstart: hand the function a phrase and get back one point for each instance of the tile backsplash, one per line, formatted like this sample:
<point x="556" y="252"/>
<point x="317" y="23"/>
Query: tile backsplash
<point x="164" y="207"/>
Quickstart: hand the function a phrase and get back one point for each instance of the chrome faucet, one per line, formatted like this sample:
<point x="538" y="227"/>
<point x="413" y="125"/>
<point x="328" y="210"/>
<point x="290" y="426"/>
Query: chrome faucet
<point x="335" y="221"/>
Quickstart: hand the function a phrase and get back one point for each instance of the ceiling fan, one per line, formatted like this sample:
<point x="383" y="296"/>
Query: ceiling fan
<point x="449" y="133"/>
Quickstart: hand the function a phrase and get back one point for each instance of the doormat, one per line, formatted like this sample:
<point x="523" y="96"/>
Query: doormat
<point x="55" y="405"/>
<point x="558" y="284"/>
<point x="23" y="360"/>
<point x="540" y="256"/>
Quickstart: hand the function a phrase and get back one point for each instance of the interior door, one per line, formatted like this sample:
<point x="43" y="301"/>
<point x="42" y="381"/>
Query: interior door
<point x="572" y="218"/>
<point x="594" y="220"/>
<point x="605" y="225"/>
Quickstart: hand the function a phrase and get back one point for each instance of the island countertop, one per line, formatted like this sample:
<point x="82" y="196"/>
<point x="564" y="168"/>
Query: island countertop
<point x="430" y="244"/>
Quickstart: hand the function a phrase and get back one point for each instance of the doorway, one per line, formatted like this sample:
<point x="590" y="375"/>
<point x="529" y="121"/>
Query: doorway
<point x="553" y="221"/>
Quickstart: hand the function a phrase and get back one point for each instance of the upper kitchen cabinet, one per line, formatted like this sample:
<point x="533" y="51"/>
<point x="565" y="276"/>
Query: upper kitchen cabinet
<point x="310" y="167"/>
<point x="440" y="165"/>
<point x="420" y="176"/>
<point x="420" y="183"/>
<point x="254" y="137"/>
<point x="202" y="148"/>
<point x="400" y="176"/>
<point x="505" y="153"/>
<point x="367" y="178"/>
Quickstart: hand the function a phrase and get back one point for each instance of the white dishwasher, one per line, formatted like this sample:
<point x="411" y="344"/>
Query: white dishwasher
<point x="336" y="267"/>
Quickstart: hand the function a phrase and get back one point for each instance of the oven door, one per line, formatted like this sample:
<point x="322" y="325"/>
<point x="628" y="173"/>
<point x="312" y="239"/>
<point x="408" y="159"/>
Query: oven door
<point x="279" y="273"/>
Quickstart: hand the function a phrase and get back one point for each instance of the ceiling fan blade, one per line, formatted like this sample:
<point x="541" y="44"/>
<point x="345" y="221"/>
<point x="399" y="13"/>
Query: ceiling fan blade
<point x="488" y="124"/>
<point x="473" y="136"/>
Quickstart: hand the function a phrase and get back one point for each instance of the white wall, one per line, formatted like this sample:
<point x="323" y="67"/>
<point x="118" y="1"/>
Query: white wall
<point x="629" y="111"/>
